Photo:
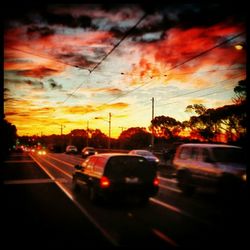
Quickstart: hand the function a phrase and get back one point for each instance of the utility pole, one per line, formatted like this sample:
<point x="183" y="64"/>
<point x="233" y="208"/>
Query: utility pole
<point x="109" y="130"/>
<point x="87" y="134"/>
<point x="152" y="134"/>
<point x="62" y="129"/>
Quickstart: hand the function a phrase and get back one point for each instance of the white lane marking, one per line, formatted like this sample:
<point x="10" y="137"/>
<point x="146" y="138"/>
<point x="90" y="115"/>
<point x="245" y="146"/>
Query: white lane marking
<point x="64" y="162"/>
<point x="165" y="237"/>
<point x="33" y="181"/>
<point x="170" y="188"/>
<point x="177" y="210"/>
<point x="16" y="161"/>
<point x="168" y="180"/>
<point x="54" y="166"/>
<point x="84" y="211"/>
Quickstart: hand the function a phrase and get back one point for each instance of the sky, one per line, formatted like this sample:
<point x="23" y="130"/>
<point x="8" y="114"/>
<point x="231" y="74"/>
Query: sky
<point x="70" y="66"/>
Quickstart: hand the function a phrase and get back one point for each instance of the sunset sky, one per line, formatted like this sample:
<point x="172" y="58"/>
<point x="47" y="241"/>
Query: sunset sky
<point x="67" y="64"/>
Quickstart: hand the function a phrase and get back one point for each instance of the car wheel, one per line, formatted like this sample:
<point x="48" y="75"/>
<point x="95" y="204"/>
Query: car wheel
<point x="93" y="195"/>
<point x="144" y="201"/>
<point x="184" y="180"/>
<point x="75" y="185"/>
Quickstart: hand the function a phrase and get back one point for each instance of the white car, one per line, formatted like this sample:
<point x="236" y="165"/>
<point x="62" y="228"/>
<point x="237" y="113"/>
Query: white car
<point x="71" y="149"/>
<point x="146" y="154"/>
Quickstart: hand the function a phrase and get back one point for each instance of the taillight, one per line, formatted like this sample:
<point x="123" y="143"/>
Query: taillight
<point x="156" y="181"/>
<point x="104" y="182"/>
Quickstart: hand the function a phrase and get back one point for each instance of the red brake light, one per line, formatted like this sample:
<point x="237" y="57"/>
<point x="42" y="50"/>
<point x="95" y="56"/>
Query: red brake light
<point x="156" y="181"/>
<point x="104" y="182"/>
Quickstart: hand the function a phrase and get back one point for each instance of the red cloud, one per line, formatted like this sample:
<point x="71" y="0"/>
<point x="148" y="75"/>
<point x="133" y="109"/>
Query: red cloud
<point x="180" y="45"/>
<point x="38" y="72"/>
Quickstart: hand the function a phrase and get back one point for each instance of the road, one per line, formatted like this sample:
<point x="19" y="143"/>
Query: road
<point x="41" y="207"/>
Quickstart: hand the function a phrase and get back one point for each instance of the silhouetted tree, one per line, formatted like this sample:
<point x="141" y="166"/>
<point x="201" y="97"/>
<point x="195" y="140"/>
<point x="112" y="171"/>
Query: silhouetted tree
<point x="135" y="137"/>
<point x="165" y="126"/>
<point x="9" y="136"/>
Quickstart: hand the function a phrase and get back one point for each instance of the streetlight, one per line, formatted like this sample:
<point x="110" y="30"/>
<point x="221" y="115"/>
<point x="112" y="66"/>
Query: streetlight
<point x="109" y="121"/>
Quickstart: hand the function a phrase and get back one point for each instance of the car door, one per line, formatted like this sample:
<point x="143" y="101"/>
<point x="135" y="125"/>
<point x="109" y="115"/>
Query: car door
<point x="207" y="172"/>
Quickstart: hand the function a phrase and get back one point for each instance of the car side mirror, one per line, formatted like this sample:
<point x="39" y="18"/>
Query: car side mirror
<point x="78" y="167"/>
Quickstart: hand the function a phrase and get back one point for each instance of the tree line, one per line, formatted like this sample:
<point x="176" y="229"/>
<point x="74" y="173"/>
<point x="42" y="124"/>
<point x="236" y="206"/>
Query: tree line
<point x="223" y="124"/>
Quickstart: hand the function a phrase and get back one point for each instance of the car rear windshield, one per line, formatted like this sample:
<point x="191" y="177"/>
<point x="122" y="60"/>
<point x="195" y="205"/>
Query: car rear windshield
<point x="229" y="155"/>
<point x="124" y="166"/>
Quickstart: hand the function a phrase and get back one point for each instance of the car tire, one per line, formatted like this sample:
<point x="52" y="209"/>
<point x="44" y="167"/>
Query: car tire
<point x="75" y="185"/>
<point x="184" y="179"/>
<point x="93" y="195"/>
<point x="144" y="201"/>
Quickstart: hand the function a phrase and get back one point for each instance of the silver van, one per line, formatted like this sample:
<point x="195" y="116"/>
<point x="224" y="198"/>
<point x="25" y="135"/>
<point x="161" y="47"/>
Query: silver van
<point x="218" y="166"/>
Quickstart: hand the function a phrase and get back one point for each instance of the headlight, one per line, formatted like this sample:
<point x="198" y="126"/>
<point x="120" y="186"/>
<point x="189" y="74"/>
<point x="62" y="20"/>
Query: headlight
<point x="244" y="177"/>
<point x="157" y="160"/>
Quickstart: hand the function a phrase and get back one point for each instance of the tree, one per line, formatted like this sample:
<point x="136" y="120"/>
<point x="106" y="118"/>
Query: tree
<point x="9" y="136"/>
<point x="134" y="138"/>
<point x="240" y="92"/>
<point x="165" y="126"/>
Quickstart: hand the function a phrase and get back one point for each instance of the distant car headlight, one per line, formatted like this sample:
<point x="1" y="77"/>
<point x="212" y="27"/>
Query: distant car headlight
<point x="244" y="177"/>
<point x="157" y="160"/>
<point x="86" y="152"/>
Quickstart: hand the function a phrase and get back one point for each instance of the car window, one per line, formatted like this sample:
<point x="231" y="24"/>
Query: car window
<point x="90" y="163"/>
<point x="228" y="155"/>
<point x="99" y="164"/>
<point x="185" y="153"/>
<point x="195" y="153"/>
<point x="205" y="155"/>
<point x="123" y="166"/>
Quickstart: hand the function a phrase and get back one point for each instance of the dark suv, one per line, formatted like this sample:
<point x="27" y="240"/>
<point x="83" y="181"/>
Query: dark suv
<point x="119" y="176"/>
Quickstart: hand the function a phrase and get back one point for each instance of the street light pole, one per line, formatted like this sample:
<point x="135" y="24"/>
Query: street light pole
<point x="152" y="135"/>
<point x="87" y="142"/>
<point x="109" y="121"/>
<point x="109" y="130"/>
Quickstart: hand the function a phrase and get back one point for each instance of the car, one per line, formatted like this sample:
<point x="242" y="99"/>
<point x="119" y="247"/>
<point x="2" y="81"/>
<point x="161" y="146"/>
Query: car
<point x="215" y="166"/>
<point x="87" y="151"/>
<point x="146" y="154"/>
<point x="71" y="149"/>
<point x="117" y="176"/>
<point x="41" y="152"/>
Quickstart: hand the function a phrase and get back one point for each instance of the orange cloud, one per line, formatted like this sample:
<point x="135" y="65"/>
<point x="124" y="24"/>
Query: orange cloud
<point x="180" y="45"/>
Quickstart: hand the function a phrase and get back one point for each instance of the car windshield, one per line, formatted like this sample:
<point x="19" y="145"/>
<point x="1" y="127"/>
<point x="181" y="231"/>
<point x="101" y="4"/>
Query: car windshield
<point x="144" y="153"/>
<point x="229" y="155"/>
<point x="123" y="166"/>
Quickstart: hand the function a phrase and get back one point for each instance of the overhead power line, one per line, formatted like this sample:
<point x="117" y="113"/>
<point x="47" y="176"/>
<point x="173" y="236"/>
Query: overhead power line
<point x="47" y="57"/>
<point x="182" y="63"/>
<point x="105" y="57"/>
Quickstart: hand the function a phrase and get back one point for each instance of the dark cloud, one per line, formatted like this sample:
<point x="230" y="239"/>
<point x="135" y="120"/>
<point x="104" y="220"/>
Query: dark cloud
<point x="54" y="85"/>
<point x="36" y="84"/>
<point x="66" y="20"/>
<point x="42" y="31"/>
<point x="76" y="59"/>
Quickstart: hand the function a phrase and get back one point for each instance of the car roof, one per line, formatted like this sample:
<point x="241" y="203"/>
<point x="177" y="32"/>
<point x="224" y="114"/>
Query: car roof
<point x="109" y="155"/>
<point x="208" y="145"/>
<point x="140" y="150"/>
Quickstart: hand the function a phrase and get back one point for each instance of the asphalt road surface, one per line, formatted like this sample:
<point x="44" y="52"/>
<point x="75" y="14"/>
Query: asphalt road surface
<point x="41" y="209"/>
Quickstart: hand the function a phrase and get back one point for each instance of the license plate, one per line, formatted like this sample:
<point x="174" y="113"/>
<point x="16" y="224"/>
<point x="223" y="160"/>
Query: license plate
<point x="131" y="179"/>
